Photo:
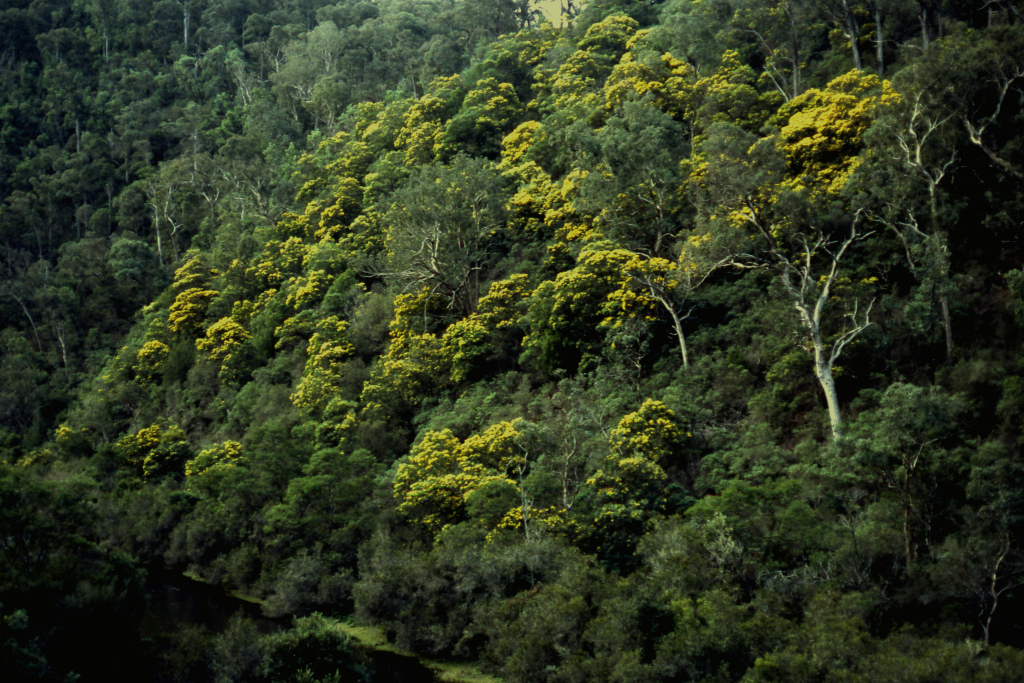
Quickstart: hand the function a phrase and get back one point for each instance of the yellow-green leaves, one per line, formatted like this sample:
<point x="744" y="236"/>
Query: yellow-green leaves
<point x="492" y="330"/>
<point x="432" y="485"/>
<point x="193" y="273"/>
<point x="328" y="349"/>
<point x="278" y="261"/>
<point x="413" y="364"/>
<point x="565" y="313"/>
<point x="632" y="474"/>
<point x="496" y="448"/>
<point x="823" y="131"/>
<point x="652" y="432"/>
<point x="729" y="95"/>
<point x="489" y="111"/>
<point x="346" y="204"/>
<point x="441" y="473"/>
<point x="189" y="310"/>
<point x="667" y="82"/>
<point x="424" y="123"/>
<point x="150" y="359"/>
<point x="580" y="77"/>
<point x="309" y="290"/>
<point x="154" y="450"/>
<point x="630" y="483"/>
<point x="222" y="339"/>
<point x="214" y="459"/>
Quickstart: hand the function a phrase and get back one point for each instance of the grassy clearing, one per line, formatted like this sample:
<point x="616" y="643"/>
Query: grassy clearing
<point x="449" y="672"/>
<point x="231" y="594"/>
<point x="374" y="638"/>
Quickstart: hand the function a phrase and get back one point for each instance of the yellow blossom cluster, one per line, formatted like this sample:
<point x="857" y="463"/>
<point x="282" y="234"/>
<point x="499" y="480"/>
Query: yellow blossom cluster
<point x="441" y="472"/>
<point x="189" y="310"/>
<point x="214" y="459"/>
<point x="150" y="359"/>
<point x="153" y="450"/>
<point x="328" y="349"/>
<point x="222" y="339"/>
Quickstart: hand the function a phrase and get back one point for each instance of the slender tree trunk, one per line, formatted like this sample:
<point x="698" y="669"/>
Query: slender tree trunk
<point x="811" y="319"/>
<point x="908" y="508"/>
<point x="794" y="47"/>
<point x="947" y="321"/>
<point x="60" y="333"/>
<point x="566" y="502"/>
<point x="678" y="324"/>
<point x="994" y="591"/>
<point x="810" y="312"/>
<point x="879" y="42"/>
<point x="823" y="371"/>
<point x="156" y="226"/>
<point x="929" y="19"/>
<point x="924" y="26"/>
<point x="942" y="253"/>
<point x="853" y="31"/>
<point x="185" y="20"/>
<point x="31" y="321"/>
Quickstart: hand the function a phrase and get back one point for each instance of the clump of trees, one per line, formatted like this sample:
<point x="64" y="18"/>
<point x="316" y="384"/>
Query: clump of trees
<point x="680" y="342"/>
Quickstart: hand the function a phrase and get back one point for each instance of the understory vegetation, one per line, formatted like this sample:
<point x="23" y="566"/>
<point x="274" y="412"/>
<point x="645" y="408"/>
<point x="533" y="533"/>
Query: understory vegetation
<point x="681" y="342"/>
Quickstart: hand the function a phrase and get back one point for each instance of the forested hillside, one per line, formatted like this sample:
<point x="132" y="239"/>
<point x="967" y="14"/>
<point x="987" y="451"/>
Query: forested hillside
<point x="681" y="342"/>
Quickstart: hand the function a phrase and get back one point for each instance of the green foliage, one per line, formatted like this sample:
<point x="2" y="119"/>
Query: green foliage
<point x="316" y="645"/>
<point x="445" y="230"/>
<point x="518" y="341"/>
<point x="154" y="451"/>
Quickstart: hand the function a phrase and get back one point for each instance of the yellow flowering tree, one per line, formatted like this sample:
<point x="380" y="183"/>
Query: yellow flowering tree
<point x="628" y="486"/>
<point x="653" y="432"/>
<point x="307" y="291"/>
<point x="194" y="273"/>
<point x="222" y="344"/>
<point x="413" y="365"/>
<point x="823" y="129"/>
<point x="536" y="193"/>
<point x="757" y="195"/>
<point x="565" y="313"/>
<point x="423" y="126"/>
<point x="214" y="459"/>
<point x="189" y="310"/>
<point x="154" y="451"/>
<point x="730" y="94"/>
<point x="223" y="338"/>
<point x="668" y="83"/>
<point x="328" y="349"/>
<point x="432" y="485"/>
<point x="150" y="359"/>
<point x="493" y="331"/>
<point x="488" y="112"/>
<point x="580" y="77"/>
<point x="441" y="475"/>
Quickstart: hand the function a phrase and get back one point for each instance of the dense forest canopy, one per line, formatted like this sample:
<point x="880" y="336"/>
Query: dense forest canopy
<point x="679" y="342"/>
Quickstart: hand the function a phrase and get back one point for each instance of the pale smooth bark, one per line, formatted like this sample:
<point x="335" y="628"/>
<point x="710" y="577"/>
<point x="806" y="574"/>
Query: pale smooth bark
<point x="810" y="294"/>
<point x="879" y="42"/>
<point x="912" y="140"/>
